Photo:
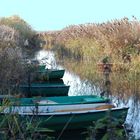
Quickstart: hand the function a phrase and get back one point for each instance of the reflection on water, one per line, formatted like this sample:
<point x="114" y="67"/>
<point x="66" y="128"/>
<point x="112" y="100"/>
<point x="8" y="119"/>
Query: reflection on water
<point x="78" y="87"/>
<point x="124" y="88"/>
<point x="46" y="57"/>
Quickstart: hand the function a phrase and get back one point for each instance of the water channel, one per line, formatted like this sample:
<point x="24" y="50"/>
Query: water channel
<point x="79" y="86"/>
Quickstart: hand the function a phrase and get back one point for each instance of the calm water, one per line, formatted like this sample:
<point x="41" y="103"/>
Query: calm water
<point x="126" y="96"/>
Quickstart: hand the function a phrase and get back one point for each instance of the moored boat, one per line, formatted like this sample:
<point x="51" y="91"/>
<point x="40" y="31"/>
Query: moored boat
<point x="57" y="116"/>
<point x="76" y="119"/>
<point x="49" y="74"/>
<point x="43" y="73"/>
<point x="44" y="89"/>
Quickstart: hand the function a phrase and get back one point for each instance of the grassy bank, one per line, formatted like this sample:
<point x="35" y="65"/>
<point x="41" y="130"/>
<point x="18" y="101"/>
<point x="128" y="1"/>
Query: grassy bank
<point x="116" y="39"/>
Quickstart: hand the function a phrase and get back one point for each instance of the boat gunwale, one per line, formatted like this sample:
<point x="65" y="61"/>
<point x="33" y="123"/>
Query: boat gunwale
<point x="35" y="101"/>
<point x="45" y="86"/>
<point x="55" y="104"/>
<point x="71" y="112"/>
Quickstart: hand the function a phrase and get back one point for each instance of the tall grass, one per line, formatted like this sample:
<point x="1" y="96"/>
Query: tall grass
<point x="14" y="32"/>
<point x="117" y="39"/>
<point x="26" y="37"/>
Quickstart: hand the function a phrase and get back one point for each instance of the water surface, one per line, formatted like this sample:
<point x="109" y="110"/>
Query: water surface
<point x="123" y="88"/>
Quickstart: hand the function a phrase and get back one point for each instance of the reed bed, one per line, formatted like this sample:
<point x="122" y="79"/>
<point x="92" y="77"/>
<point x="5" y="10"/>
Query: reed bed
<point x="117" y="39"/>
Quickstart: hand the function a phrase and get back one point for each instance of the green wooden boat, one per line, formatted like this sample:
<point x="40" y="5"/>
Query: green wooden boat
<point x="43" y="73"/>
<point x="75" y="120"/>
<point x="61" y="115"/>
<point x="71" y="120"/>
<point x="44" y="89"/>
<point x="49" y="74"/>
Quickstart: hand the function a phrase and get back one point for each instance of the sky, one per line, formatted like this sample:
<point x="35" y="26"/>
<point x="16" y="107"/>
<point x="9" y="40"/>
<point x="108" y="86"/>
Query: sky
<point x="45" y="15"/>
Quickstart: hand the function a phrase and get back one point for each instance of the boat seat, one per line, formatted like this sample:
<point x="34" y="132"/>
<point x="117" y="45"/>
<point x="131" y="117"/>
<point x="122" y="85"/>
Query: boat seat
<point x="100" y="107"/>
<point x="43" y="102"/>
